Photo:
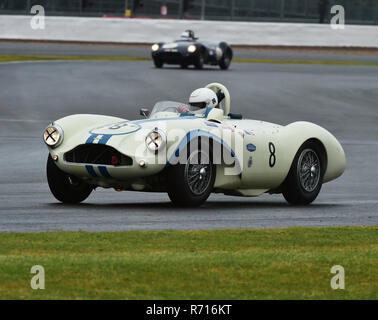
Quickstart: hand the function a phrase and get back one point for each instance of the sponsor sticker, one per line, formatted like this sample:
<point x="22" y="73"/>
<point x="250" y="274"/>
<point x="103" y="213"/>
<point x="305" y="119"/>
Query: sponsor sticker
<point x="251" y="147"/>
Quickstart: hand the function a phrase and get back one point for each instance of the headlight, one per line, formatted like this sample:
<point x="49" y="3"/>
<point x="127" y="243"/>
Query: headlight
<point x="155" y="47"/>
<point x="155" y="140"/>
<point x="192" y="48"/>
<point x="53" y="135"/>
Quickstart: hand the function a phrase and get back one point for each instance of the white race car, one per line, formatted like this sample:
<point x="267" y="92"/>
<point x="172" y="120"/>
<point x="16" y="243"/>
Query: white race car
<point x="190" y="155"/>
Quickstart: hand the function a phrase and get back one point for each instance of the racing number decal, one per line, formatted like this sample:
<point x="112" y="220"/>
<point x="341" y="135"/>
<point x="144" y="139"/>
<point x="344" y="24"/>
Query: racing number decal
<point x="272" y="157"/>
<point x="118" y="126"/>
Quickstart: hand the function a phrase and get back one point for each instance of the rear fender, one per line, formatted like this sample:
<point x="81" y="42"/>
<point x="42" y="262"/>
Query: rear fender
<point x="299" y="132"/>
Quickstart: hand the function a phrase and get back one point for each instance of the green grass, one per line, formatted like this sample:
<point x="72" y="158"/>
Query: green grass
<point x="14" y="57"/>
<point x="291" y="263"/>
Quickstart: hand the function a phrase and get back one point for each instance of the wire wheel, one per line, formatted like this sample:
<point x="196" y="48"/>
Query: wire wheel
<point x="308" y="170"/>
<point x="198" y="172"/>
<point x="191" y="181"/>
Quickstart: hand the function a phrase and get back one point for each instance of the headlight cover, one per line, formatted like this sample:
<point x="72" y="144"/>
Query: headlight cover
<point x="53" y="135"/>
<point x="155" y="47"/>
<point x="155" y="140"/>
<point x="192" y="48"/>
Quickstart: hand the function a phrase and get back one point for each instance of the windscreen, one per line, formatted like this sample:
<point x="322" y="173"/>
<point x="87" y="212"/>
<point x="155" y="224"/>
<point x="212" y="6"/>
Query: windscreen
<point x="172" y="106"/>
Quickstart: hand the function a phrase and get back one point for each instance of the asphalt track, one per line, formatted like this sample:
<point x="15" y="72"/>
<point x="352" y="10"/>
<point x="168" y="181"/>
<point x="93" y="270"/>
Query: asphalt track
<point x="342" y="99"/>
<point x="118" y="50"/>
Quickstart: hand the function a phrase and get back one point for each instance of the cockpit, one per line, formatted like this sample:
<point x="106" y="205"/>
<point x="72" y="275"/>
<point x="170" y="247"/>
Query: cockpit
<point x="170" y="109"/>
<point x="173" y="107"/>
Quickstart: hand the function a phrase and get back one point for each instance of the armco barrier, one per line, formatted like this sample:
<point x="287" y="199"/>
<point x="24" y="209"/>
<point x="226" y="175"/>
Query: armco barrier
<point x="148" y="31"/>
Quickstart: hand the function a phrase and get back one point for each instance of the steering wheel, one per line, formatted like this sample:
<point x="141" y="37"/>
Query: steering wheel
<point x="225" y="105"/>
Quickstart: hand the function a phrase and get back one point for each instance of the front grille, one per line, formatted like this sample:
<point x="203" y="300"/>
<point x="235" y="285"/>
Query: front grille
<point x="171" y="56"/>
<point x="97" y="154"/>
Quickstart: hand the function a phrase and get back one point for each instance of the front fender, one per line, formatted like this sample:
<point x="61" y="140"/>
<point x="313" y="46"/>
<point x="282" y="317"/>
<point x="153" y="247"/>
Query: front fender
<point x="220" y="147"/>
<point x="76" y="128"/>
<point x="299" y="132"/>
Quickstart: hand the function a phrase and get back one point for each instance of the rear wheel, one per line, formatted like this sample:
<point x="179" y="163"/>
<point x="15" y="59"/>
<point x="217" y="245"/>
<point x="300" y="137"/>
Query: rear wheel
<point x="190" y="184"/>
<point x="305" y="178"/>
<point x="66" y="188"/>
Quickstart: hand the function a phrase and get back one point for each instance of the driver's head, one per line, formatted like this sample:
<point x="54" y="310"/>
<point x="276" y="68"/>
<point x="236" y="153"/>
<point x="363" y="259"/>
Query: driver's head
<point x="187" y="34"/>
<point x="203" y="98"/>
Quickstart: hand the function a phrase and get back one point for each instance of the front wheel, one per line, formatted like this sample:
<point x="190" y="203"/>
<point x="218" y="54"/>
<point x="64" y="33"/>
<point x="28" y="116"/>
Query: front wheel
<point x="158" y="63"/>
<point x="225" y="62"/>
<point x="66" y="188"/>
<point x="305" y="178"/>
<point x="199" y="60"/>
<point x="190" y="184"/>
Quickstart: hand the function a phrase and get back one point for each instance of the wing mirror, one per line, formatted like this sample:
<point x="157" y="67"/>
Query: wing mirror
<point x="144" y="112"/>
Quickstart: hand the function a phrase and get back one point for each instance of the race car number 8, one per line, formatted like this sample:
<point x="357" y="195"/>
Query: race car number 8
<point x="272" y="158"/>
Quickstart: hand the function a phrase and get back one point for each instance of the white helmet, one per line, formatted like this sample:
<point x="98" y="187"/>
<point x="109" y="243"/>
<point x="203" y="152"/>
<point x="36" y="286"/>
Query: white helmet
<point x="203" y="98"/>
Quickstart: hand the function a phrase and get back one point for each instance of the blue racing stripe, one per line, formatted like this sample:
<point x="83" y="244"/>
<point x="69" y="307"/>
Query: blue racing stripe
<point x="208" y="109"/>
<point x="105" y="138"/>
<point x="91" y="138"/>
<point x="104" y="171"/>
<point x="187" y="115"/>
<point x="91" y="171"/>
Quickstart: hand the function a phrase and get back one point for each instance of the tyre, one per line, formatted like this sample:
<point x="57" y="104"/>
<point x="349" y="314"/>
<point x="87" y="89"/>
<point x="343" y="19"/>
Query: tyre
<point x="66" y="188"/>
<point x="184" y="65"/>
<point x="305" y="178"/>
<point x="190" y="184"/>
<point x="158" y="63"/>
<point x="199" y="60"/>
<point x="225" y="61"/>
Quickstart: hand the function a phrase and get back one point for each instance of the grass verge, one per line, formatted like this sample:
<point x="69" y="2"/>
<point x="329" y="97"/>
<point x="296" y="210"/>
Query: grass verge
<point x="15" y="58"/>
<point x="291" y="263"/>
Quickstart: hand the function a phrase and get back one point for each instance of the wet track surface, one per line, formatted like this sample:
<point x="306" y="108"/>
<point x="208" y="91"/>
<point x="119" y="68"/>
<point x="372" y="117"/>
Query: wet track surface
<point x="119" y="50"/>
<point x="343" y="99"/>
